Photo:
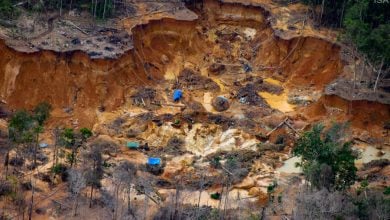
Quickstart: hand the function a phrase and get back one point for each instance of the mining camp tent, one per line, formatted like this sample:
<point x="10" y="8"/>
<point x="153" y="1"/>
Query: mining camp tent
<point x="154" y="161"/>
<point x="132" y="144"/>
<point x="177" y="95"/>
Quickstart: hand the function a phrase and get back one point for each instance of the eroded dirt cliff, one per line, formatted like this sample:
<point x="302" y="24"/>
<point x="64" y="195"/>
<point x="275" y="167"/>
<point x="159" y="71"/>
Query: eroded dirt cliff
<point x="234" y="54"/>
<point x="73" y="80"/>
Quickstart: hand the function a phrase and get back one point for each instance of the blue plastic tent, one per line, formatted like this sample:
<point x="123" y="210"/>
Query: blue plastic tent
<point x="154" y="161"/>
<point x="177" y="95"/>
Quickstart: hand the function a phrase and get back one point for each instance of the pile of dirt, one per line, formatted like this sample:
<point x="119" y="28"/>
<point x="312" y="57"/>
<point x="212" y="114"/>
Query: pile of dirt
<point x="146" y="97"/>
<point x="267" y="87"/>
<point x="224" y="121"/>
<point x="254" y="113"/>
<point x="160" y="119"/>
<point x="144" y="93"/>
<point x="246" y="157"/>
<point x="154" y="169"/>
<point x="249" y="95"/>
<point x="238" y="162"/>
<point x="217" y="68"/>
<point x="194" y="81"/>
<point x="376" y="163"/>
<point x="175" y="146"/>
<point x="193" y="106"/>
<point x="194" y="178"/>
<point x="227" y="35"/>
<point x="117" y="123"/>
<point x="220" y="103"/>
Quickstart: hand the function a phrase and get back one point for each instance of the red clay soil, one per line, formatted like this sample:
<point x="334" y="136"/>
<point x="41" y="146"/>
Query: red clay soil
<point x="365" y="115"/>
<point x="73" y="80"/>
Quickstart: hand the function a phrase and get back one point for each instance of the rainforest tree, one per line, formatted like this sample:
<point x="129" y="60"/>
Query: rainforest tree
<point x="327" y="160"/>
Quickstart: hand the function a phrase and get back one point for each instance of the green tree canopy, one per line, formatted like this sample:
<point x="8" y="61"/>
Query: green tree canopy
<point x="21" y="127"/>
<point x="86" y="133"/>
<point x="67" y="137"/>
<point x="327" y="160"/>
<point x="368" y="25"/>
<point x="42" y="112"/>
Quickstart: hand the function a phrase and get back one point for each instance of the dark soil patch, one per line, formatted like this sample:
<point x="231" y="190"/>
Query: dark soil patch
<point x="376" y="163"/>
<point x="221" y="120"/>
<point x="146" y="97"/>
<point x="17" y="161"/>
<point x="238" y="162"/>
<point x="160" y="119"/>
<point x="248" y="95"/>
<point x="192" y="80"/>
<point x="217" y="68"/>
<point x="267" y="87"/>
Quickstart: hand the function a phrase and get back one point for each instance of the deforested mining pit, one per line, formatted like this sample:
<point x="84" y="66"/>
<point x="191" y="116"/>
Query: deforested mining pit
<point x="195" y="109"/>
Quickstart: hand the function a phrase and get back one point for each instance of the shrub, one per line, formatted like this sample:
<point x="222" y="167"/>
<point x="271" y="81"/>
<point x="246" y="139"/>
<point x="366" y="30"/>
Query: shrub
<point x="7" y="10"/>
<point x="60" y="169"/>
<point x="216" y="196"/>
<point x="327" y="160"/>
<point x="215" y="162"/>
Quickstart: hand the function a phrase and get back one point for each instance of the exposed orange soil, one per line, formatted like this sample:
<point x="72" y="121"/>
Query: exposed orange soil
<point x="162" y="49"/>
<point x="73" y="80"/>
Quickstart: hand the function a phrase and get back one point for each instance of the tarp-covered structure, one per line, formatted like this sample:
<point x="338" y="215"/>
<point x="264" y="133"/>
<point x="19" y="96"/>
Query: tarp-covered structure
<point x="132" y="144"/>
<point x="177" y="95"/>
<point x="154" y="161"/>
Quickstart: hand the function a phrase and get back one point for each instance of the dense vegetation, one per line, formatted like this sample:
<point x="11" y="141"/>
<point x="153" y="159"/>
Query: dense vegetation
<point x="24" y="152"/>
<point x="327" y="160"/>
<point x="98" y="8"/>
<point x="328" y="12"/>
<point x="366" y="23"/>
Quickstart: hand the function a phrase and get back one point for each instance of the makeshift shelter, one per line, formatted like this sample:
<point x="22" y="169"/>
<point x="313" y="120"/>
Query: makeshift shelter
<point x="132" y="145"/>
<point x="177" y="95"/>
<point x="154" y="161"/>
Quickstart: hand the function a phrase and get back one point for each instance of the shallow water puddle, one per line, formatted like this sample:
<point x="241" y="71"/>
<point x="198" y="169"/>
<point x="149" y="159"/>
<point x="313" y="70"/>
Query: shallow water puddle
<point x="278" y="102"/>
<point x="273" y="81"/>
<point x="370" y="153"/>
<point x="220" y="83"/>
<point x="290" y="167"/>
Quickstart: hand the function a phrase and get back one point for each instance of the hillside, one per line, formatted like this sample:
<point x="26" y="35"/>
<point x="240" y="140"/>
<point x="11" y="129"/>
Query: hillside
<point x="222" y="94"/>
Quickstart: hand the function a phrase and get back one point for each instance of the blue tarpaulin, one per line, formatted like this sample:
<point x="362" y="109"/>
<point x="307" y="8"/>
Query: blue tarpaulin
<point x="177" y="95"/>
<point x="154" y="161"/>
